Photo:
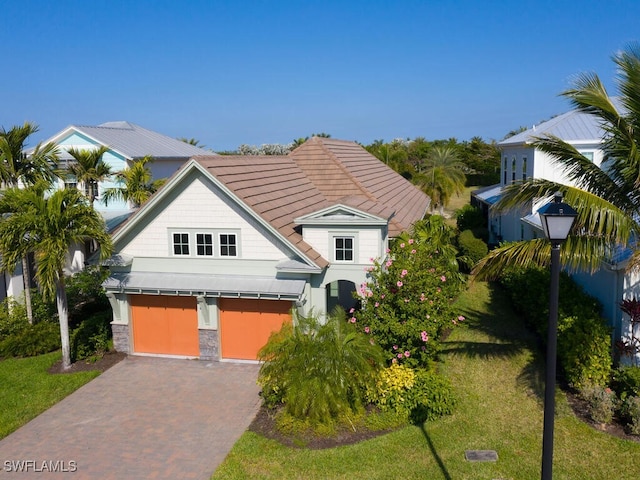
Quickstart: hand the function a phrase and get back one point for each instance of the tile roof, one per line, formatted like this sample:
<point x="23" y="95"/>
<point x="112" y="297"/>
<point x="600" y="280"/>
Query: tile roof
<point x="134" y="141"/>
<point x="274" y="188"/>
<point x="320" y="173"/>
<point x="346" y="173"/>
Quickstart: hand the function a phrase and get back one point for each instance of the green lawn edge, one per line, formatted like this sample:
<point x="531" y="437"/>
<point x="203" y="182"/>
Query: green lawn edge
<point x="495" y="366"/>
<point x="27" y="389"/>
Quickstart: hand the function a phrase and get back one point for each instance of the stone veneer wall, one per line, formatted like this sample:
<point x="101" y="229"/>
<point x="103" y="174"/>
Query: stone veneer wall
<point x="209" y="344"/>
<point x="121" y="338"/>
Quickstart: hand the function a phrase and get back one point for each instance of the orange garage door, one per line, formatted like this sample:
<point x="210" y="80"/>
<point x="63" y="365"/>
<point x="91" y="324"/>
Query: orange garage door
<point x="245" y="325"/>
<point x="165" y="325"/>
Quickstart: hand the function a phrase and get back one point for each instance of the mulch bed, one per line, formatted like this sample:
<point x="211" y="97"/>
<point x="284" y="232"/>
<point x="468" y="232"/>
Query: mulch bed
<point x="581" y="410"/>
<point x="102" y="364"/>
<point x="264" y="424"/>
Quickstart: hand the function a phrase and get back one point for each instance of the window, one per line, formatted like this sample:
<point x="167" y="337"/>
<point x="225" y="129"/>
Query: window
<point x="181" y="244"/>
<point x="228" y="245"/>
<point x="524" y="169"/>
<point x="204" y="244"/>
<point x="587" y="155"/>
<point x="344" y="249"/>
<point x="513" y="170"/>
<point x="505" y="170"/>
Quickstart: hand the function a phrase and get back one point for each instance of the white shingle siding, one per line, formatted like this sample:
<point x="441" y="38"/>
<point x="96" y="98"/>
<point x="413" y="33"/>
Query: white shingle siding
<point x="367" y="241"/>
<point x="198" y="207"/>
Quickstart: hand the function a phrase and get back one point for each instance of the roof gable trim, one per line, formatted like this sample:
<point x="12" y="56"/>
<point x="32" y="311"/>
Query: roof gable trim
<point x="340" y="214"/>
<point x="190" y="166"/>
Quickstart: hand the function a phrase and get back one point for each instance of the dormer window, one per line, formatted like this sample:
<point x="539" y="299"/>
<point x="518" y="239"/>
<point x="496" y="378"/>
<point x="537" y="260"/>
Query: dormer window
<point x="343" y="249"/>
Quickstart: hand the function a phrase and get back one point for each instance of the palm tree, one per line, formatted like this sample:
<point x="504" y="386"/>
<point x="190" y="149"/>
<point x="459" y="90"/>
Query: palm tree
<point x="48" y="226"/>
<point x="17" y="167"/>
<point x="137" y="184"/>
<point x="442" y="176"/>
<point x="89" y="169"/>
<point x="607" y="200"/>
<point x="192" y="141"/>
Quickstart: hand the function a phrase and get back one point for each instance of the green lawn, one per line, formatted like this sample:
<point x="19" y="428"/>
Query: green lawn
<point x="26" y="389"/>
<point x="495" y="367"/>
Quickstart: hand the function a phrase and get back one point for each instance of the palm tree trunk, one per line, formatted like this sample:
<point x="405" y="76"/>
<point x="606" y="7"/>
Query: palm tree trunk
<point x="26" y="278"/>
<point x="63" y="318"/>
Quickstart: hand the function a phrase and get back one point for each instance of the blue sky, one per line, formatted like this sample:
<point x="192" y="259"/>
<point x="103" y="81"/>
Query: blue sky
<point x="255" y="72"/>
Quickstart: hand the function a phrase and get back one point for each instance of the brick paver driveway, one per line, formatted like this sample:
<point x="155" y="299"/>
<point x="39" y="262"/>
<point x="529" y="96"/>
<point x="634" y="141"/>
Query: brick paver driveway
<point x="143" y="418"/>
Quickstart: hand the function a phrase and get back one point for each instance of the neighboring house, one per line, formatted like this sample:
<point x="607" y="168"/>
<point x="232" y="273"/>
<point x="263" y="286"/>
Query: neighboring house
<point x="521" y="161"/>
<point x="127" y="143"/>
<point x="216" y="260"/>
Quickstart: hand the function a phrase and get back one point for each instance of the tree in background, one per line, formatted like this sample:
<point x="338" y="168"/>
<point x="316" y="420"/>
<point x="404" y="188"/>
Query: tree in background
<point x="136" y="184"/>
<point x="480" y="160"/>
<point x="48" y="225"/>
<point x="88" y="169"/>
<point x="17" y="167"/>
<point x="442" y="176"/>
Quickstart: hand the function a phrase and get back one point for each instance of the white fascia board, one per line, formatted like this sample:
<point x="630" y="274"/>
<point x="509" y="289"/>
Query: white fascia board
<point x="319" y="217"/>
<point x="181" y="174"/>
<point x="70" y="129"/>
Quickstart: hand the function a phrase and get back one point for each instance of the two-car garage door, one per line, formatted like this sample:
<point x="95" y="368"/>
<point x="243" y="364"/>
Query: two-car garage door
<point x="168" y="325"/>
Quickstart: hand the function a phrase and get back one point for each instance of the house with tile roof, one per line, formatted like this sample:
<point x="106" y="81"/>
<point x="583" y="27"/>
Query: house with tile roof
<point x="216" y="260"/>
<point x="520" y="162"/>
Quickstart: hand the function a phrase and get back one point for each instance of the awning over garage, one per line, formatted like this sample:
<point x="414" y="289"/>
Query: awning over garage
<point x="230" y="286"/>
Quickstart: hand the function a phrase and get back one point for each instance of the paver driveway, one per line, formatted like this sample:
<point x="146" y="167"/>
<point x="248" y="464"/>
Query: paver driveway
<point x="143" y="418"/>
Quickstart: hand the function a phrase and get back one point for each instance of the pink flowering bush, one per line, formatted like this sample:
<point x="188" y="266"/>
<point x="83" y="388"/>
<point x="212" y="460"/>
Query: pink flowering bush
<point x="407" y="300"/>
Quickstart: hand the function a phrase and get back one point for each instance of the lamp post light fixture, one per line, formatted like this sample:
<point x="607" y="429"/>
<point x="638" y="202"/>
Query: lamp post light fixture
<point x="557" y="219"/>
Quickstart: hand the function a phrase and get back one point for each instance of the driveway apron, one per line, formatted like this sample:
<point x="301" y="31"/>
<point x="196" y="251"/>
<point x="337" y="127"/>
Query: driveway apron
<point x="144" y="418"/>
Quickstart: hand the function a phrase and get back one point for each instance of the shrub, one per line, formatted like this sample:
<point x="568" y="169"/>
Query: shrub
<point x="469" y="218"/>
<point x="584" y="351"/>
<point x="318" y="371"/>
<point x="626" y="381"/>
<point x="390" y="389"/>
<point x="630" y="412"/>
<point x="85" y="294"/>
<point x="601" y="402"/>
<point x="407" y="300"/>
<point x="415" y="395"/>
<point x="584" y="342"/>
<point x="43" y="337"/>
<point x="431" y="397"/>
<point x="91" y="337"/>
<point x="472" y="249"/>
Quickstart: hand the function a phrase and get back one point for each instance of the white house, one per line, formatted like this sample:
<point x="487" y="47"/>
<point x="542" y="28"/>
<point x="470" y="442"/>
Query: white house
<point x="126" y="143"/>
<point x="216" y="260"/>
<point x="521" y="161"/>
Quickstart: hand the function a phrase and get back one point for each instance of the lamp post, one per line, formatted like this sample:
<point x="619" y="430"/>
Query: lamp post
<point x="557" y="219"/>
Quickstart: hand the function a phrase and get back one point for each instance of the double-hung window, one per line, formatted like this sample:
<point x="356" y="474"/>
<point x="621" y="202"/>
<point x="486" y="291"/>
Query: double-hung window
<point x="343" y="249"/>
<point x="204" y="244"/>
<point x="180" y="244"/>
<point x="228" y="245"/>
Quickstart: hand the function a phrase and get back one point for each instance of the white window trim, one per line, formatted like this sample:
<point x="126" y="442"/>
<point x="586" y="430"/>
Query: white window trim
<point x="173" y="243"/>
<point x="333" y="236"/>
<point x="213" y="245"/>
<point x="236" y="244"/>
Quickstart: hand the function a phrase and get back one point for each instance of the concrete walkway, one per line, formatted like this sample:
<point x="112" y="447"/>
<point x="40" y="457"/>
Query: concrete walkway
<point x="144" y="418"/>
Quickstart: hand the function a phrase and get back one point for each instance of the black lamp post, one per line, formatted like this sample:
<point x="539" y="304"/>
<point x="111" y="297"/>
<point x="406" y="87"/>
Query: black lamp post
<point x="557" y="219"/>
